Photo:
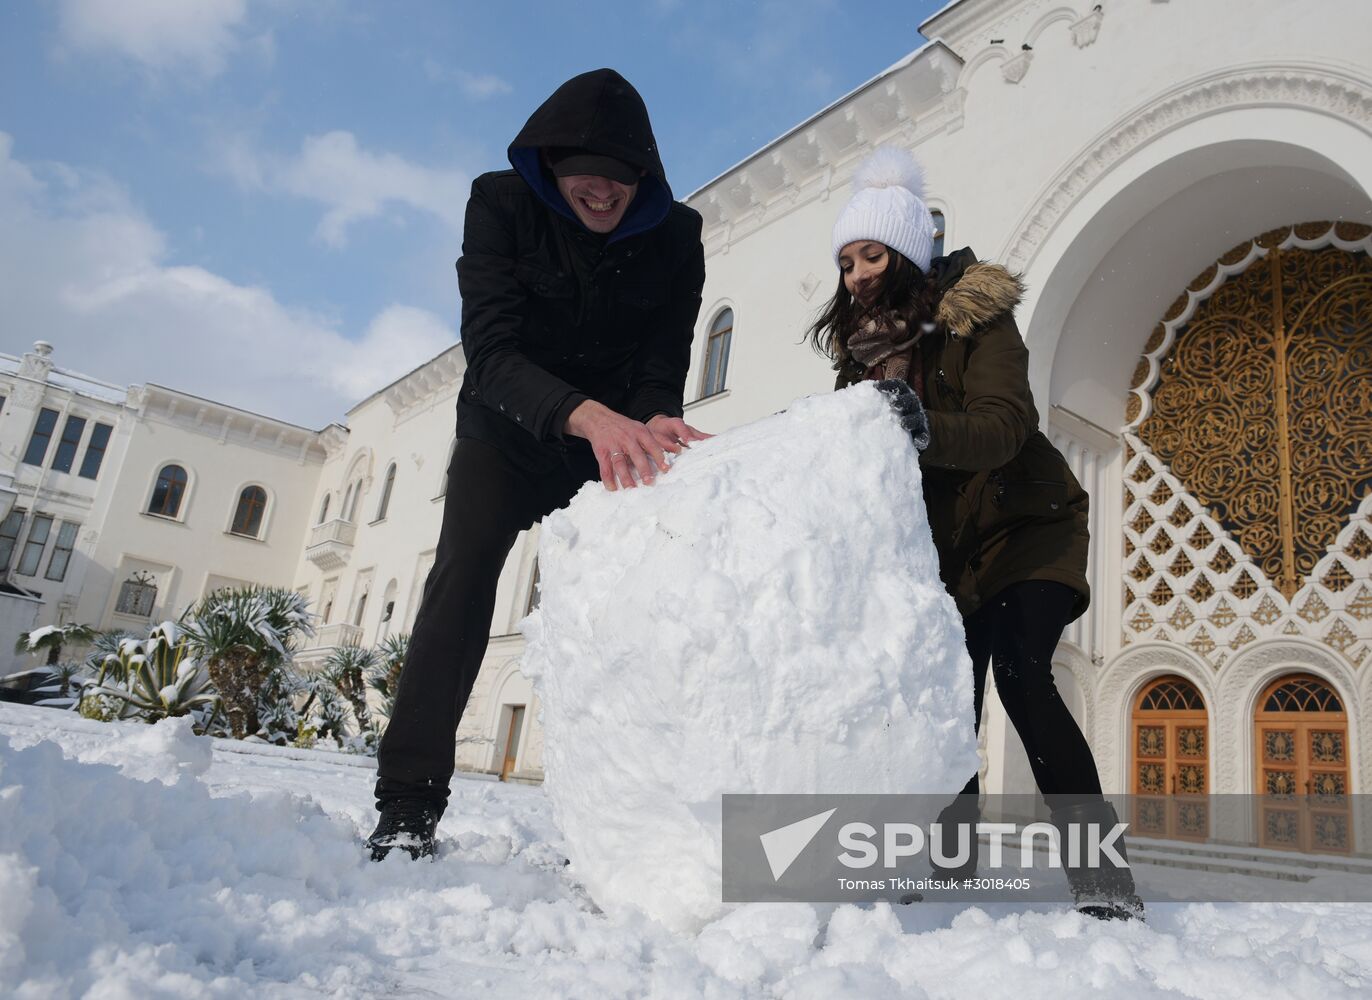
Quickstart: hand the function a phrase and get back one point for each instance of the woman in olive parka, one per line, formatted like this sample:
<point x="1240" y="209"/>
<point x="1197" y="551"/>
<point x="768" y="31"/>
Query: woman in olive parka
<point x="1007" y="516"/>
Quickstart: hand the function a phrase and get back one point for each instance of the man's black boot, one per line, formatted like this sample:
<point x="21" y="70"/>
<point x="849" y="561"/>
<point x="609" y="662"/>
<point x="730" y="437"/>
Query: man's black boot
<point x="407" y="824"/>
<point x="1104" y="891"/>
<point x="957" y="824"/>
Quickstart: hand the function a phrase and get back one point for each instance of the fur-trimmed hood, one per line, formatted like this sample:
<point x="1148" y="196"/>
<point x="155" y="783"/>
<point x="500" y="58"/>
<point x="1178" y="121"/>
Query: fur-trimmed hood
<point x="979" y="295"/>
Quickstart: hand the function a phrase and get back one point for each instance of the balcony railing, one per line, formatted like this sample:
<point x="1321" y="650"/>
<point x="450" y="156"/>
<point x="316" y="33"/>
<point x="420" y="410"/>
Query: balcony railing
<point x="325" y="640"/>
<point x="331" y="544"/>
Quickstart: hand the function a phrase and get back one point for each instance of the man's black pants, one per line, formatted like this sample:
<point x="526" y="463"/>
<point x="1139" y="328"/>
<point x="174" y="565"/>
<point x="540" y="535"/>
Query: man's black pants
<point x="1015" y="632"/>
<point x="489" y="501"/>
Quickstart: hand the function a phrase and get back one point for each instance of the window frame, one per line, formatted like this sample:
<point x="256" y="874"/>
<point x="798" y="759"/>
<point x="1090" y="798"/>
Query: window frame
<point x="45" y="521"/>
<point x="261" y="513"/>
<point x="713" y="387"/>
<point x="143" y="581"/>
<point x="94" y="456"/>
<point x="387" y="487"/>
<point x="35" y="433"/>
<point x="10" y="543"/>
<point x="67" y="445"/>
<point x="176" y="514"/>
<point x="63" y="550"/>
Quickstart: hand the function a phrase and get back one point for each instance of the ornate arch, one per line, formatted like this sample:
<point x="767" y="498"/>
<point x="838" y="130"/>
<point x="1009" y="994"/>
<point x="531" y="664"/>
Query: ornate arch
<point x="993" y="53"/>
<point x="1303" y="86"/>
<point x="1243" y="681"/>
<point x="1120" y="683"/>
<point x="1066" y="14"/>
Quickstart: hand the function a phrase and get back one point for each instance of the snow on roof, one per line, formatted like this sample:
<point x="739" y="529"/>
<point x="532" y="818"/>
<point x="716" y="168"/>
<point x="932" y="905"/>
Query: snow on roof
<point x="894" y="67"/>
<point x="74" y="381"/>
<point x="178" y="394"/>
<point x="939" y="13"/>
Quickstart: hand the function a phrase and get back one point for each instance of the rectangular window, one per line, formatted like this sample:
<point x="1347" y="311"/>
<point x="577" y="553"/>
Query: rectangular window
<point x="42" y="435"/>
<point x="9" y="537"/>
<point x="95" y="450"/>
<point x="66" y="447"/>
<point x="61" y="552"/>
<point x="137" y="596"/>
<point x="33" y="547"/>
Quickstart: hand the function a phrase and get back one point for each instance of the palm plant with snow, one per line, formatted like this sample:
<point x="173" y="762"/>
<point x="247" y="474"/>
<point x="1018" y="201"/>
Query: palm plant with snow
<point x="242" y="634"/>
<point x="346" y="668"/>
<point x="51" y="639"/>
<point x="60" y="681"/>
<point x="384" y="676"/>
<point x="157" y="677"/>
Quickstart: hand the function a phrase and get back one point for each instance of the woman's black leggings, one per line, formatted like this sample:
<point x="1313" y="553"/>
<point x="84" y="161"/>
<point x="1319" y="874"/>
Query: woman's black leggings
<point x="1016" y="632"/>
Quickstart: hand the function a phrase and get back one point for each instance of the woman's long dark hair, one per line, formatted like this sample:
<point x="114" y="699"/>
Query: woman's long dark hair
<point x="904" y="291"/>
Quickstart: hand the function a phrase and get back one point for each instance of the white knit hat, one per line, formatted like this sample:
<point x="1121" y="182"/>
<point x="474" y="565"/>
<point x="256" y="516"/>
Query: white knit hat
<point x="888" y="206"/>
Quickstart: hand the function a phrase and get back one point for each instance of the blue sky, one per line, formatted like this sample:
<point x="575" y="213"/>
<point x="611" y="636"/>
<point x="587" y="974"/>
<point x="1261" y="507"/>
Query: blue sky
<point x="260" y="201"/>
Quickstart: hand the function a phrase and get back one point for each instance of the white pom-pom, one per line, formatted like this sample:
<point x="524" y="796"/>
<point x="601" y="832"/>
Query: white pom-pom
<point x="890" y="167"/>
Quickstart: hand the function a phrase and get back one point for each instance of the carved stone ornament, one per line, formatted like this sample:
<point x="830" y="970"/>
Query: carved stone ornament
<point x="1087" y="30"/>
<point x="1014" y="69"/>
<point x="1316" y="90"/>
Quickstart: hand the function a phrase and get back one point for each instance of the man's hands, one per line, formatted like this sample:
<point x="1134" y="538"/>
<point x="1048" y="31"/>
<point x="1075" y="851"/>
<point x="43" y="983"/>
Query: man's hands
<point x="624" y="446"/>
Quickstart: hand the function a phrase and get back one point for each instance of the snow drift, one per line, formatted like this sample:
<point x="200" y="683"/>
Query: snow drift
<point x="767" y="618"/>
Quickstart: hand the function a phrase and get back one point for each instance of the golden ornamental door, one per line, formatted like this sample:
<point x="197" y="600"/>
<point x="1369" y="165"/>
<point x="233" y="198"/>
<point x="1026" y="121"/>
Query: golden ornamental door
<point x="1301" y="746"/>
<point x="1171" y="740"/>
<point x="1248" y="452"/>
<point x="1263" y="407"/>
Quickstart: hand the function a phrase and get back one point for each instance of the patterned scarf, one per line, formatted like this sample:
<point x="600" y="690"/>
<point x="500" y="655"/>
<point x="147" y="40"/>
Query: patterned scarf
<point x="882" y="346"/>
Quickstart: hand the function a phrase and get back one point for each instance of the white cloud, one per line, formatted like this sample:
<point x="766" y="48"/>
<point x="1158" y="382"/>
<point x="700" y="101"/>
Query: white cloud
<point x="479" y="86"/>
<point x="82" y="268"/>
<point x="352" y="183"/>
<point x="475" y="86"/>
<point x="158" y="34"/>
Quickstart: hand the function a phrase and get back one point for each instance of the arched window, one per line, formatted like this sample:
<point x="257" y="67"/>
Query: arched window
<point x="356" y="499"/>
<point x="717" y="353"/>
<point x="389" y="485"/>
<point x="347" y="502"/>
<point x="247" y="519"/>
<point x="324" y="509"/>
<point x="939" y="229"/>
<point x="167" y="494"/>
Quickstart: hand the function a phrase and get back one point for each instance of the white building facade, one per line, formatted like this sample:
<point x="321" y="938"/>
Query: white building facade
<point x="129" y="503"/>
<point x="1145" y="166"/>
<point x="1168" y="177"/>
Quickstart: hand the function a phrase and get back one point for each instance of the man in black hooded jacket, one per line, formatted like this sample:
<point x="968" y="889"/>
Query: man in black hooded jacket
<point x="581" y="280"/>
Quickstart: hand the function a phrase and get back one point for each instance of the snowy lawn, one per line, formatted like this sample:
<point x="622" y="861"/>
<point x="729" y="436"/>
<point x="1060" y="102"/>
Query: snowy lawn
<point x="142" y="861"/>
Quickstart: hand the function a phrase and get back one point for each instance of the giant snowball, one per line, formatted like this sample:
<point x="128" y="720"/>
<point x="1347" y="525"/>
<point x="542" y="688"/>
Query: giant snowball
<point x="767" y="618"/>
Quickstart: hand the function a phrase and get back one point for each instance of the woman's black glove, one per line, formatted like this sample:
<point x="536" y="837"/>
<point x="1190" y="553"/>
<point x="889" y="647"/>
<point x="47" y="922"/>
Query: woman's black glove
<point x="905" y="401"/>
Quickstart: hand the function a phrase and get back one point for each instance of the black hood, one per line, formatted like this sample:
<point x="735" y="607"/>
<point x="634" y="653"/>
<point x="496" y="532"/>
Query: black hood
<point x="601" y="112"/>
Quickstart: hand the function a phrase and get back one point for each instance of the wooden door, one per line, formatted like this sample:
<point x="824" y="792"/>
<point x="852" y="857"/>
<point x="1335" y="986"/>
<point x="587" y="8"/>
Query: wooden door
<point x="1171" y="745"/>
<point x="512" y="741"/>
<point x="1301" y="746"/>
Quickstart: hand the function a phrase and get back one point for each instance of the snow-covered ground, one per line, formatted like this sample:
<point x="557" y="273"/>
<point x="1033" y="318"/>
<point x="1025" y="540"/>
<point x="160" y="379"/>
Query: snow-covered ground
<point x="147" y="862"/>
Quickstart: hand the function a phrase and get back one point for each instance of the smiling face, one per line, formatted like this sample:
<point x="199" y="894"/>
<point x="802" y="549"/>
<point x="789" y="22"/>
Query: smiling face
<point x="862" y="264"/>
<point x="598" y="202"/>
